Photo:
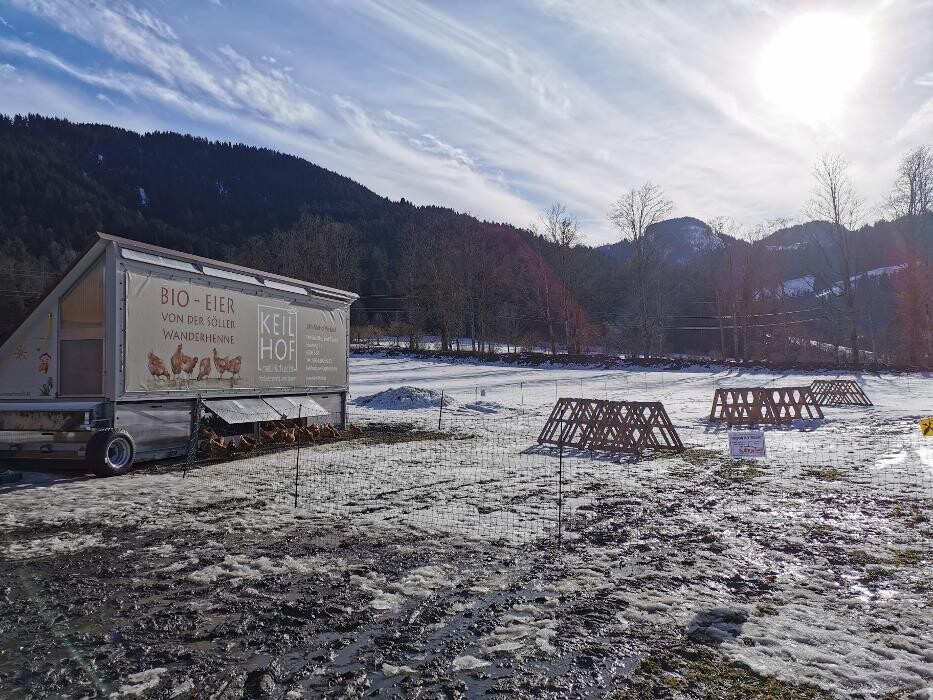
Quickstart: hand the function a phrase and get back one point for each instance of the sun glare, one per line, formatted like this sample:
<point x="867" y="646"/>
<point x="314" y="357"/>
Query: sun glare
<point x="813" y="63"/>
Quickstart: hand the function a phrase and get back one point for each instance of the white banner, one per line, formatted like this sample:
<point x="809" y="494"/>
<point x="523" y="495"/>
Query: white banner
<point x="183" y="335"/>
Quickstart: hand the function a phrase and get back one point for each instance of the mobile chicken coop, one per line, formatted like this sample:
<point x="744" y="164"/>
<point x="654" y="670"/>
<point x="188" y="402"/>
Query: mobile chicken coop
<point x="134" y="341"/>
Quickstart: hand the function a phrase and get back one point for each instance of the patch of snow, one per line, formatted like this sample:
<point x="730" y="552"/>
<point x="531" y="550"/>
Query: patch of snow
<point x="239" y="567"/>
<point x="163" y="550"/>
<point x="419" y="583"/>
<point x="139" y="683"/>
<point x="183" y="687"/>
<point x="143" y="198"/>
<point x="46" y="546"/>
<point x="887" y="271"/>
<point x="469" y="663"/>
<point x="525" y="627"/>
<point x="701" y="239"/>
<point x="390" y="670"/>
<point x="798" y="286"/>
<point x="482" y="406"/>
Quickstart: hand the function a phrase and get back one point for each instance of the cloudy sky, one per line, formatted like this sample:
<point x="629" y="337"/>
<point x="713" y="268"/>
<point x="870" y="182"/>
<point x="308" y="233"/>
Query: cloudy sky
<point x="499" y="108"/>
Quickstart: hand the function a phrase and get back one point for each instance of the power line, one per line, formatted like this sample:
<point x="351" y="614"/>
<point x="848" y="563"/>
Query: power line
<point x="749" y="325"/>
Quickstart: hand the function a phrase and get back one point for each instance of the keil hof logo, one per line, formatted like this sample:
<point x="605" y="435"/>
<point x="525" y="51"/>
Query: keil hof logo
<point x="278" y="339"/>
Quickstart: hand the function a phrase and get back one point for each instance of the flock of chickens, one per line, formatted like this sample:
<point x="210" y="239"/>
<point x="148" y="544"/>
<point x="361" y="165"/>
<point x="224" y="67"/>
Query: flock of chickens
<point x="183" y="365"/>
<point x="271" y="433"/>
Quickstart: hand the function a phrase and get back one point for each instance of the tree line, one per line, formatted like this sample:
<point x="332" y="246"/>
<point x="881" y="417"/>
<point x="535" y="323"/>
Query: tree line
<point x="729" y="300"/>
<point x="430" y="271"/>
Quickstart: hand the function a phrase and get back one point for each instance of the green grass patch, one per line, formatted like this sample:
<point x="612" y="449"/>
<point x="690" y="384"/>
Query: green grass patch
<point x="701" y="457"/>
<point x="393" y="433"/>
<point x="825" y="474"/>
<point x="700" y="672"/>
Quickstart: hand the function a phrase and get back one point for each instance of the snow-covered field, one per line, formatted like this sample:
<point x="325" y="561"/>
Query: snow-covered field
<point x="427" y="565"/>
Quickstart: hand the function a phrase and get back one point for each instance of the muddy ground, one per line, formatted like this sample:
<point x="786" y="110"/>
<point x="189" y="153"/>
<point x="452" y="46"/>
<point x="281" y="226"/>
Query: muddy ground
<point x="289" y="613"/>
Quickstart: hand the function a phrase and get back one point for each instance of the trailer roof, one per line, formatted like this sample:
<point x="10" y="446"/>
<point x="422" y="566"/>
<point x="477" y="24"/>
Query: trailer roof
<point x="313" y="289"/>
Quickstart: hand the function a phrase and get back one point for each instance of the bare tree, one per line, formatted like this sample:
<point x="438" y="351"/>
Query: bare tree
<point x="428" y="272"/>
<point x="722" y="280"/>
<point x="314" y="248"/>
<point x="560" y="228"/>
<point x="632" y="214"/>
<point x="543" y="283"/>
<point x="911" y="198"/>
<point x="835" y="201"/>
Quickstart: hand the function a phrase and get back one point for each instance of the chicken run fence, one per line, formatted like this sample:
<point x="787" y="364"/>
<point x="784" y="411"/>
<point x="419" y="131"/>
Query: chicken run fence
<point x="487" y="477"/>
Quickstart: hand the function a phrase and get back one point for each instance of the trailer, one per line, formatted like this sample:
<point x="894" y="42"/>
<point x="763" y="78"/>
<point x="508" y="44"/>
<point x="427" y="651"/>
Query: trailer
<point x="117" y="363"/>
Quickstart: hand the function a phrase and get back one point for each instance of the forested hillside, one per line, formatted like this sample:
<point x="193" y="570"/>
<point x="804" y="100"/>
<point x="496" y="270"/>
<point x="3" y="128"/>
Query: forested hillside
<point x="713" y="288"/>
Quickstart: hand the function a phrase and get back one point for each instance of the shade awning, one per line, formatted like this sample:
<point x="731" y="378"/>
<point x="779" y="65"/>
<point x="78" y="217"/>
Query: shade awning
<point x="235" y="411"/>
<point x="295" y="406"/>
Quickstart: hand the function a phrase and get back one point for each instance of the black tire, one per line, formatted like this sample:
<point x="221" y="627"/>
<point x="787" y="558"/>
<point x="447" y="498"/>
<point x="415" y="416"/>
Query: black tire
<point x="110" y="452"/>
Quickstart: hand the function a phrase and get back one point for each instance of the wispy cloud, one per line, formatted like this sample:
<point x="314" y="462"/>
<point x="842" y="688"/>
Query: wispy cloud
<point x="497" y="109"/>
<point x="399" y="119"/>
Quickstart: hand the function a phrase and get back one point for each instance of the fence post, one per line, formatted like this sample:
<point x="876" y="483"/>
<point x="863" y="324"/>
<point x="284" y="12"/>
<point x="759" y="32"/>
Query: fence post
<point x="297" y="453"/>
<point x="560" y="491"/>
<point x="193" y="438"/>
<point x="440" y="411"/>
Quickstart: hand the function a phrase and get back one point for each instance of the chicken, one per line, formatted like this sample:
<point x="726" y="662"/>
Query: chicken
<point x="267" y="437"/>
<point x="206" y="433"/>
<point x="328" y="431"/>
<point x="157" y="367"/>
<point x="176" y="361"/>
<point x="188" y="364"/>
<point x="285" y="437"/>
<point x="220" y="363"/>
<point x="354" y="431"/>
<point x="204" y="368"/>
<point x="233" y="366"/>
<point x="247" y="444"/>
<point x="217" y="447"/>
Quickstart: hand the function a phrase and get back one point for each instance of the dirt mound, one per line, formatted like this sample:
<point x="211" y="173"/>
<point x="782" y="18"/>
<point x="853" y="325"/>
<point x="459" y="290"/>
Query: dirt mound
<point x="405" y="398"/>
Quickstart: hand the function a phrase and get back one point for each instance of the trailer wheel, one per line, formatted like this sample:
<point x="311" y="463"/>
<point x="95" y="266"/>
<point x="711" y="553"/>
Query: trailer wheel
<point x="110" y="452"/>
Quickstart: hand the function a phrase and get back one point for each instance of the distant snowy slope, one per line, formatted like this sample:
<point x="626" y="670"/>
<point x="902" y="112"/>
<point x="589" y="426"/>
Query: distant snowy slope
<point x="887" y="271"/>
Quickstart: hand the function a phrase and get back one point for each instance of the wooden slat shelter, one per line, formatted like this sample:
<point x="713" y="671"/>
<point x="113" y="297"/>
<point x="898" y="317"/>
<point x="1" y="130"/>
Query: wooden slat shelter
<point x="571" y="422"/>
<point x="633" y="426"/>
<point x="764" y="405"/>
<point x="839" y="392"/>
<point x="612" y="426"/>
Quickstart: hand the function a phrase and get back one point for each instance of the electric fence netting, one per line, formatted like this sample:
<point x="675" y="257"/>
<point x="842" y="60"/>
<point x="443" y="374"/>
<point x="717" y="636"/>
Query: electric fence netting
<point x="469" y="466"/>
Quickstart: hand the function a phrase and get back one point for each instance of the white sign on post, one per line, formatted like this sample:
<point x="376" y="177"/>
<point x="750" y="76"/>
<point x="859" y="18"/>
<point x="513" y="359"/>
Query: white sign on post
<point x="747" y="444"/>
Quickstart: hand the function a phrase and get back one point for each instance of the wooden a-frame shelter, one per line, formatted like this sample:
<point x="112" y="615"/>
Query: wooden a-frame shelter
<point x="611" y="426"/>
<point x="839" y="392"/>
<point x="764" y="405"/>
